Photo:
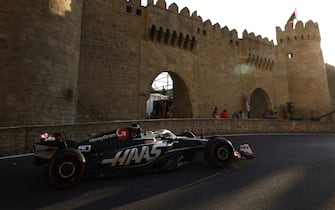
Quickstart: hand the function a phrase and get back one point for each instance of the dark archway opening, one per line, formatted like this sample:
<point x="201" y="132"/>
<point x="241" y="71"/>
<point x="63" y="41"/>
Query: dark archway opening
<point x="169" y="97"/>
<point x="260" y="104"/>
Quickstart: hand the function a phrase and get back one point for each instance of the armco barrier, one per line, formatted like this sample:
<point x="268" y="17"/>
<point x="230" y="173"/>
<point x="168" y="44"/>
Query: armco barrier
<point x="19" y="140"/>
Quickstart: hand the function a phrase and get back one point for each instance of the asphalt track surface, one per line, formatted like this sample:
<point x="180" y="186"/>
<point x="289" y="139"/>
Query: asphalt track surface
<point x="289" y="172"/>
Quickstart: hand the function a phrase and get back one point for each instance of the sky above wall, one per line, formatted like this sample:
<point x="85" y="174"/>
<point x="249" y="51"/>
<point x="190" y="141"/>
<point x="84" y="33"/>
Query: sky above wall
<point x="262" y="16"/>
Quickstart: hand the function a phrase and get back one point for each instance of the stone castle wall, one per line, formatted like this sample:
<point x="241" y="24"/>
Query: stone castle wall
<point x="109" y="64"/>
<point x="331" y="78"/>
<point x="39" y="54"/>
<point x="91" y="61"/>
<point x="210" y="65"/>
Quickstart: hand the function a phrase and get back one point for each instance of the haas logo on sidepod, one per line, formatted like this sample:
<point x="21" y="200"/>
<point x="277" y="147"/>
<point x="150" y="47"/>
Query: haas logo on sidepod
<point x="134" y="156"/>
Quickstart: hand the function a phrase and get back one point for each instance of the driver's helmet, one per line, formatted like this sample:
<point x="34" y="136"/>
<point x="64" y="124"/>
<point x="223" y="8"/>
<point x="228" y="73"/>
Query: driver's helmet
<point x="165" y="134"/>
<point x="137" y="129"/>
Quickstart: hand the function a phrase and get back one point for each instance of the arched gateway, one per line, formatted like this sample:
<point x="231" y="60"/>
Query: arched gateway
<point x="259" y="103"/>
<point x="170" y="101"/>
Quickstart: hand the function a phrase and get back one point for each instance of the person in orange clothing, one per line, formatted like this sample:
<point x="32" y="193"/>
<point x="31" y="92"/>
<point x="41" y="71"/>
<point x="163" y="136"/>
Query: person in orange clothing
<point x="224" y="114"/>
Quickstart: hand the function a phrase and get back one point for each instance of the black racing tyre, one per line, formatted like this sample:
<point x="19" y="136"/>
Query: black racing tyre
<point x="66" y="169"/>
<point x="219" y="154"/>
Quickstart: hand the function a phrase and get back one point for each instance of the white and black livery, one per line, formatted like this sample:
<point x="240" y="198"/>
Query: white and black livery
<point x="126" y="151"/>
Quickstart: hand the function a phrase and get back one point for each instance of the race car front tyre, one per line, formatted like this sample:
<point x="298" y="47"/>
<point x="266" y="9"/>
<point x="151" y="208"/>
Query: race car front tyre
<point x="219" y="154"/>
<point x="66" y="169"/>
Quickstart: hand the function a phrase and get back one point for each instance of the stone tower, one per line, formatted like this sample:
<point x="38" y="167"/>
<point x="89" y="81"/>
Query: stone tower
<point x="39" y="61"/>
<point x="108" y="80"/>
<point x="306" y="71"/>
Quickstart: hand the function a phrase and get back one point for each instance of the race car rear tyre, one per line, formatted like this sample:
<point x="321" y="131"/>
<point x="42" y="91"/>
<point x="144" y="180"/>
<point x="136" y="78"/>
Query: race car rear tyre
<point x="66" y="169"/>
<point x="219" y="154"/>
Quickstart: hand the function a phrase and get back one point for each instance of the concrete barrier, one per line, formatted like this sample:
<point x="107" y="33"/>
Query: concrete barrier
<point x="19" y="140"/>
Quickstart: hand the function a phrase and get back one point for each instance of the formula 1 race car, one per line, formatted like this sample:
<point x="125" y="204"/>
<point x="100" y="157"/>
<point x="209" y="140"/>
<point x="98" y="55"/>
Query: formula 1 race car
<point x="128" y="151"/>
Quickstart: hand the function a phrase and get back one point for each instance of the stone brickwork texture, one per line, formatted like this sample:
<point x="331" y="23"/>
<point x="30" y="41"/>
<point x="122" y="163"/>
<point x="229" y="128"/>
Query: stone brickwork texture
<point x="73" y="61"/>
<point x="331" y="83"/>
<point x="39" y="60"/>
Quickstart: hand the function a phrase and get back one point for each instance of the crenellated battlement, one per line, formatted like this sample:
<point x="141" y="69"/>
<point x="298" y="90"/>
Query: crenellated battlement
<point x="175" y="9"/>
<point x="180" y="29"/>
<point x="203" y="28"/>
<point x="329" y="67"/>
<point x="309" y="31"/>
<point x="136" y="3"/>
<point x="258" y="52"/>
<point x="258" y="38"/>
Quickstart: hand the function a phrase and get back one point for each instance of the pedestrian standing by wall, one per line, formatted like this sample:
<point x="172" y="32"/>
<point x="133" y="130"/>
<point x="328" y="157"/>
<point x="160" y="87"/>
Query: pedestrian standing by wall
<point x="215" y="113"/>
<point x="224" y="114"/>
